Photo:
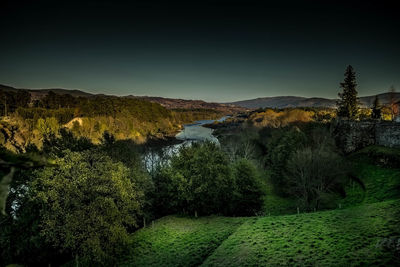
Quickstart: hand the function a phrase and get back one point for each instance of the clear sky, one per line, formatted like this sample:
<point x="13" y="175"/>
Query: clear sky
<point x="212" y="50"/>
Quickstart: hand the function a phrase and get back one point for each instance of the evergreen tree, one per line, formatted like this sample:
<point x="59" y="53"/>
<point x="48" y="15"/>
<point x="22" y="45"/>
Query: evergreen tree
<point x="376" y="109"/>
<point x="348" y="102"/>
<point x="392" y="101"/>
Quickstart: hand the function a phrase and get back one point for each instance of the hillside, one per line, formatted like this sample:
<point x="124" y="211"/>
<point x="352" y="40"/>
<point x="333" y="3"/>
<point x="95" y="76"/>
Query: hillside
<point x="296" y="101"/>
<point x="40" y="93"/>
<point x="364" y="231"/>
<point x="169" y="103"/>
<point x="232" y="107"/>
<point x="174" y="103"/>
<point x="319" y="238"/>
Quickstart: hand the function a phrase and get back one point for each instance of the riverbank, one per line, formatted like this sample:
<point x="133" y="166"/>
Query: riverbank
<point x="231" y="125"/>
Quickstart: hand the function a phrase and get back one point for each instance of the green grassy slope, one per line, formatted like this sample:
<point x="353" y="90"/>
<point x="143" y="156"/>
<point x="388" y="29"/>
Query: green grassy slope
<point x="380" y="184"/>
<point x="180" y="241"/>
<point x="339" y="237"/>
<point x="351" y="236"/>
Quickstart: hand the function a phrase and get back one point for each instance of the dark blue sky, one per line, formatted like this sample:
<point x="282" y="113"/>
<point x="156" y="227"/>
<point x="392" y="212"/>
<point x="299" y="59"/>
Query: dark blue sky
<point x="211" y="50"/>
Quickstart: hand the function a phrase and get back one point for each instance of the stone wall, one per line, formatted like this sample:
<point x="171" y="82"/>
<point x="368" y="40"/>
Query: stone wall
<point x="388" y="134"/>
<point x="354" y="135"/>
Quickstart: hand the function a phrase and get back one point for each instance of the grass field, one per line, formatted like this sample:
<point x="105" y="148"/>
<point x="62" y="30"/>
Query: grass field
<point x="364" y="232"/>
<point x="345" y="237"/>
<point x="180" y="241"/>
<point x="380" y="184"/>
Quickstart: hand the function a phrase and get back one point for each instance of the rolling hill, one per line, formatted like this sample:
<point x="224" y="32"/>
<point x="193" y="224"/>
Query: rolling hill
<point x="297" y="101"/>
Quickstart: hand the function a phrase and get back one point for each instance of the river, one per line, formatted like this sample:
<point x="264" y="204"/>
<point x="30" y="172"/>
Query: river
<point x="197" y="132"/>
<point x="192" y="132"/>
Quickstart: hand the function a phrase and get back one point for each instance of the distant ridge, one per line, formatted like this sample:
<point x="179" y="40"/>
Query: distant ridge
<point x="297" y="101"/>
<point x="39" y="93"/>
<point x="169" y="103"/>
<point x="262" y="102"/>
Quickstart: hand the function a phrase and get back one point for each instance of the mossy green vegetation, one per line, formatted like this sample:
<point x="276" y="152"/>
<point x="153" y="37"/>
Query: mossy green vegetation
<point x="375" y="184"/>
<point x="379" y="155"/>
<point x="342" y="237"/>
<point x="180" y="241"/>
<point x="345" y="237"/>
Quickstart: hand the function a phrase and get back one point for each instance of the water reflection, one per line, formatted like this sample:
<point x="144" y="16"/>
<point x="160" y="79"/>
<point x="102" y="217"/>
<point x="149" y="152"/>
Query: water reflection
<point x="193" y="132"/>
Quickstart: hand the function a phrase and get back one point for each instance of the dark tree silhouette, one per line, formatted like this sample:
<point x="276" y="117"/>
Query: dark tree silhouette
<point x="392" y="100"/>
<point x="348" y="102"/>
<point x="376" y="109"/>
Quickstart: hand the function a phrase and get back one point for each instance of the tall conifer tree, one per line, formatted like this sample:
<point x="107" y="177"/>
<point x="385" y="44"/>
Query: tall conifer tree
<point x="348" y="102"/>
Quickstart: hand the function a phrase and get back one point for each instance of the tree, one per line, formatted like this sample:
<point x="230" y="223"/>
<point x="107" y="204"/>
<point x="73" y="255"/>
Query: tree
<point x="23" y="98"/>
<point x="108" y="138"/>
<point x="198" y="180"/>
<point x="280" y="144"/>
<point x="313" y="172"/>
<point x="249" y="188"/>
<point x="9" y="163"/>
<point x="56" y="145"/>
<point x="392" y="100"/>
<point x="87" y="202"/>
<point x="48" y="126"/>
<point x="348" y="105"/>
<point x="376" y="109"/>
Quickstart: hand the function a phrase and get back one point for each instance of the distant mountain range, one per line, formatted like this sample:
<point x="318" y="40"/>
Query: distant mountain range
<point x="238" y="106"/>
<point x="39" y="93"/>
<point x="169" y="103"/>
<point x="297" y="101"/>
<point x="174" y="103"/>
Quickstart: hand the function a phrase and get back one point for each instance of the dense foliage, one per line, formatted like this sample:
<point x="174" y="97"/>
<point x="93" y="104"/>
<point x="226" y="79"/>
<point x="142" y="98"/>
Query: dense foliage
<point x="10" y="101"/>
<point x="303" y="163"/>
<point x="312" y="173"/>
<point x="200" y="180"/>
<point x="82" y="207"/>
<point x="250" y="190"/>
<point x="30" y="122"/>
<point x="87" y="204"/>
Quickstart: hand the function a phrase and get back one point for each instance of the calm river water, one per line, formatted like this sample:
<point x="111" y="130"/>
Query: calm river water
<point x="191" y="133"/>
<point x="196" y="132"/>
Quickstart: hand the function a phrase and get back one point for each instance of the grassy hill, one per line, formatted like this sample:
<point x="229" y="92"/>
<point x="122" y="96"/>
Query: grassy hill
<point x="180" y="241"/>
<point x="365" y="231"/>
<point x="340" y="237"/>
